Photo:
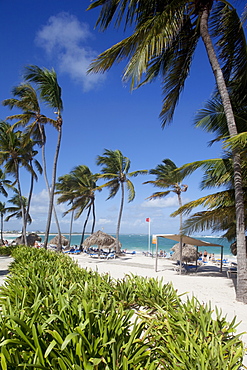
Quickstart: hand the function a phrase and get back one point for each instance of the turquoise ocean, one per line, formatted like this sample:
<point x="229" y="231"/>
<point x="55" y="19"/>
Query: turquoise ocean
<point x="140" y="243"/>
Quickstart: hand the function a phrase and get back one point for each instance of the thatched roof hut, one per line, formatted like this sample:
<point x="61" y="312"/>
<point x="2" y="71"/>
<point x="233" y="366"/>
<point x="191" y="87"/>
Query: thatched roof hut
<point x="189" y="253"/>
<point x="31" y="239"/>
<point x="101" y="239"/>
<point x="55" y="240"/>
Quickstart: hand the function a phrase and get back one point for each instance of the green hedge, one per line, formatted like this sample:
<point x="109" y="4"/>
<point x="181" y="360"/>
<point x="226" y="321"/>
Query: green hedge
<point x="55" y="315"/>
<point x="7" y="251"/>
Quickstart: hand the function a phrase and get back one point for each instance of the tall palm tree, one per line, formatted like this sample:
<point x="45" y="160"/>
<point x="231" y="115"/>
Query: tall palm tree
<point x="78" y="189"/>
<point x="30" y="154"/>
<point x="13" y="155"/>
<point x="2" y="213"/>
<point x="115" y="168"/>
<point x="168" y="178"/>
<point x="63" y="187"/>
<point x="163" y="42"/>
<point x="4" y="183"/>
<point x="50" y="94"/>
<point x="26" y="99"/>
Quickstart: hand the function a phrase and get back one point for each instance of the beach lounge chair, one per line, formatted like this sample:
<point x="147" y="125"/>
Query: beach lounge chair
<point x="111" y="255"/>
<point x="232" y="270"/>
<point x="186" y="268"/>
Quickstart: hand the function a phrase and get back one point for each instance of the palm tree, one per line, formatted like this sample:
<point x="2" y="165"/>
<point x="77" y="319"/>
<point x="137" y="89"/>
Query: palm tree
<point x="17" y="209"/>
<point x="2" y="213"/>
<point x="220" y="214"/>
<point x="26" y="99"/>
<point x="115" y="168"/>
<point x="30" y="157"/>
<point x="13" y="155"/>
<point x="168" y="177"/>
<point x="163" y="42"/>
<point x="78" y="189"/>
<point x="50" y="94"/>
<point x="63" y="187"/>
<point x="4" y="183"/>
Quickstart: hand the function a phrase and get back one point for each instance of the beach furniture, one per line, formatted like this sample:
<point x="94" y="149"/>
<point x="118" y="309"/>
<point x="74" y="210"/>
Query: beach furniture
<point x="232" y="270"/>
<point x="186" y="268"/>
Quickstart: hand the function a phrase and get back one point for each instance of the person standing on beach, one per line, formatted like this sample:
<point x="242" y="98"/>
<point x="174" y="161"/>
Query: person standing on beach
<point x="205" y="255"/>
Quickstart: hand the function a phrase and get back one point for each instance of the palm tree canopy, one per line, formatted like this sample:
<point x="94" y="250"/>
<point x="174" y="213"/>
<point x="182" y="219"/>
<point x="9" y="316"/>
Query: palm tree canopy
<point x="46" y="80"/>
<point x="78" y="189"/>
<point x="27" y="100"/>
<point x="4" y="183"/>
<point x="115" y="168"/>
<point x="14" y="149"/>
<point x="165" y="36"/>
<point x="167" y="176"/>
<point x="15" y="210"/>
<point x="220" y="212"/>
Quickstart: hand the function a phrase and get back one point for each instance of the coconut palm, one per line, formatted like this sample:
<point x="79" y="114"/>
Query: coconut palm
<point x="162" y="44"/>
<point x="26" y="99"/>
<point x="168" y="178"/>
<point x="50" y="94"/>
<point x="63" y="187"/>
<point x="2" y="213"/>
<point x="220" y="212"/>
<point x="4" y="183"/>
<point x="78" y="189"/>
<point x="16" y="210"/>
<point x="13" y="155"/>
<point x="115" y="168"/>
<point x="30" y="154"/>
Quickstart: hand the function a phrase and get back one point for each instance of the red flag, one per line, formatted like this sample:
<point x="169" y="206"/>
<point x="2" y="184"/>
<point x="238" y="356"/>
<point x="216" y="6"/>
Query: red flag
<point x="148" y="219"/>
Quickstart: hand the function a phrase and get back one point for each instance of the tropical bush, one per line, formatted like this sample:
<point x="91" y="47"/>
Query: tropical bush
<point x="7" y="250"/>
<point x="55" y="315"/>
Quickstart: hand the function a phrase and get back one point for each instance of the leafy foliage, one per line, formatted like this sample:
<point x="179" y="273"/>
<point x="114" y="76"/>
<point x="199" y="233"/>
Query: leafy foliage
<point x="55" y="315"/>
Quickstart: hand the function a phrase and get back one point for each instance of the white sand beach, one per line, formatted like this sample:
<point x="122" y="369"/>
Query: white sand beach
<point x="207" y="284"/>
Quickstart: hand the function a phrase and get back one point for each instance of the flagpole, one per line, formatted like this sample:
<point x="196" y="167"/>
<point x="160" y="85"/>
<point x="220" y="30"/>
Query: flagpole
<point x="149" y="249"/>
<point x="148" y="221"/>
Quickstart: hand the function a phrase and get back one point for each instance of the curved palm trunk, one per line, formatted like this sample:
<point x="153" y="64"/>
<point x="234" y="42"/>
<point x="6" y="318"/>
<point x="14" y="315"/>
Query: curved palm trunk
<point x="30" y="195"/>
<point x="239" y="201"/>
<point x="84" y="228"/>
<point x="52" y="190"/>
<point x="93" y="225"/>
<point x="71" y="226"/>
<point x="119" y="219"/>
<point x="2" y="241"/>
<point x="180" y="234"/>
<point x="41" y="129"/>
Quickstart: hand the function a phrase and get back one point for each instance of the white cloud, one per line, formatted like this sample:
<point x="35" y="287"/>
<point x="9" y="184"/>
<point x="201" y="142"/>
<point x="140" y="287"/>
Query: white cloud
<point x="65" y="39"/>
<point x="161" y="203"/>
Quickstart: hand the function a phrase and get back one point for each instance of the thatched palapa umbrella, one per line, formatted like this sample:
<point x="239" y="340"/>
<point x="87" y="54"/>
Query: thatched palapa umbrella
<point x="31" y="239"/>
<point x="189" y="253"/>
<point x="55" y="240"/>
<point x="101" y="239"/>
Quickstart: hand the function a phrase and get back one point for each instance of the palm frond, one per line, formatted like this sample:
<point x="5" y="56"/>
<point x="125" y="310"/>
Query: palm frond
<point x="46" y="80"/>
<point x="131" y="190"/>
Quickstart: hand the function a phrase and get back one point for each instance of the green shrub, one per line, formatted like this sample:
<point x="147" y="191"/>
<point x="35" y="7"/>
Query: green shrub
<point x="7" y="250"/>
<point x="55" y="315"/>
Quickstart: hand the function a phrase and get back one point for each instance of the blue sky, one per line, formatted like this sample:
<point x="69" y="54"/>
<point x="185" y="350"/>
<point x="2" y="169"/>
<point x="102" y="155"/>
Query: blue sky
<point x="100" y="112"/>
